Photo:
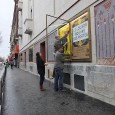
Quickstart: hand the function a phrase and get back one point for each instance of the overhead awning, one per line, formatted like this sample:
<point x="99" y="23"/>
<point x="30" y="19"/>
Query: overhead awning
<point x="16" y="50"/>
<point x="12" y="55"/>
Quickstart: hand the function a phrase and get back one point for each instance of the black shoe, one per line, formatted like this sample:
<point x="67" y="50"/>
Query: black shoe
<point x="55" y="89"/>
<point x="63" y="90"/>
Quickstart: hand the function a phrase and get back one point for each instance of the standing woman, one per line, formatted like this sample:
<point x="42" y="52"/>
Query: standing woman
<point x="41" y="69"/>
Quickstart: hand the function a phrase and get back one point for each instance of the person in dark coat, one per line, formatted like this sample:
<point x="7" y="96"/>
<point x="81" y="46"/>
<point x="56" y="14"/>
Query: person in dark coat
<point x="11" y="62"/>
<point x="41" y="69"/>
<point x="61" y="41"/>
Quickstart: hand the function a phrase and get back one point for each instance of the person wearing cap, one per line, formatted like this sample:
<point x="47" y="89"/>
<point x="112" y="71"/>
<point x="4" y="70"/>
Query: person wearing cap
<point x="61" y="41"/>
<point x="57" y="43"/>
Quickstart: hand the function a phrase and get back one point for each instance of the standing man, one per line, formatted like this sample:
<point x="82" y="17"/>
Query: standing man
<point x="58" y="67"/>
<point x="57" y="43"/>
<point x="61" y="41"/>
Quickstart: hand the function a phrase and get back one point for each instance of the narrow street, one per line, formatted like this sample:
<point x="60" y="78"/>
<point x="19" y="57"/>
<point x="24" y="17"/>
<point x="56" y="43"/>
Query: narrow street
<point x="22" y="97"/>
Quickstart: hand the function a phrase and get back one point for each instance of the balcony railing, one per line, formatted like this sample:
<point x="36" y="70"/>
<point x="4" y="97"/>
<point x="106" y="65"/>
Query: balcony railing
<point x="29" y="26"/>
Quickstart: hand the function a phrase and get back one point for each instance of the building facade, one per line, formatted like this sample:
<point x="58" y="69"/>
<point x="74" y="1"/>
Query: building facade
<point x="91" y="26"/>
<point x="14" y="36"/>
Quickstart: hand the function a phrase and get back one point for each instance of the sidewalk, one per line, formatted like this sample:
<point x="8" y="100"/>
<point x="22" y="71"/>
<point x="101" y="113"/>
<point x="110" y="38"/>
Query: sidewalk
<point x="22" y="97"/>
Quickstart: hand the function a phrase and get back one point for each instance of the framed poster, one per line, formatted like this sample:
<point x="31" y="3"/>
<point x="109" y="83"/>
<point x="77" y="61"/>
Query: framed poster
<point x="50" y="46"/>
<point x="64" y="34"/>
<point x="81" y="38"/>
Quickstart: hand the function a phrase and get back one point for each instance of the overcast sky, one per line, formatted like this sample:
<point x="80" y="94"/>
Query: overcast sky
<point x="6" y="16"/>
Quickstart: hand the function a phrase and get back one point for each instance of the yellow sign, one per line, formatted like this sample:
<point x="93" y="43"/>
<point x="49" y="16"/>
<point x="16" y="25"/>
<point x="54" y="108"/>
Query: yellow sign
<point x="64" y="34"/>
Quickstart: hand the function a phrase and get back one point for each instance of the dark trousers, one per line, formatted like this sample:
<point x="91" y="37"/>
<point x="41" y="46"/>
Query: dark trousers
<point x="42" y="73"/>
<point x="58" y="79"/>
<point x="11" y="66"/>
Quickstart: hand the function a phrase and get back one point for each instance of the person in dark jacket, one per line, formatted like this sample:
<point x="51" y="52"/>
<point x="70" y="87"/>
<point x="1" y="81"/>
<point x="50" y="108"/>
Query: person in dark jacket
<point x="61" y="41"/>
<point x="40" y="69"/>
<point x="11" y="62"/>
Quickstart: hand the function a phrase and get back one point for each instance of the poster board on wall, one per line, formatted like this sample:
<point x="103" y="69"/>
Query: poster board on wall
<point x="81" y="38"/>
<point x="64" y="35"/>
<point x="50" y="46"/>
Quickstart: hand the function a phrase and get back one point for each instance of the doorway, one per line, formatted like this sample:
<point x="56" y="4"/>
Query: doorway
<point x="42" y="51"/>
<point x="25" y="59"/>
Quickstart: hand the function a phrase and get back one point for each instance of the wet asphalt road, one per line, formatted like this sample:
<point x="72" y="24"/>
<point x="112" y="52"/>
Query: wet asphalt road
<point x="22" y="97"/>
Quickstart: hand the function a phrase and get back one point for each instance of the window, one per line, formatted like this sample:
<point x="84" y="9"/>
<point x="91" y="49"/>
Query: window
<point x="30" y="9"/>
<point x="31" y="55"/>
<point x="31" y="13"/>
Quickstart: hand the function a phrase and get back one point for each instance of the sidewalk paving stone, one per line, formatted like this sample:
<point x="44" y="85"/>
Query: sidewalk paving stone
<point x="23" y="97"/>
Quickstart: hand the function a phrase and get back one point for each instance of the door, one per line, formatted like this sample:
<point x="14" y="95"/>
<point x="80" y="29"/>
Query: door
<point x="25" y="59"/>
<point x="42" y="51"/>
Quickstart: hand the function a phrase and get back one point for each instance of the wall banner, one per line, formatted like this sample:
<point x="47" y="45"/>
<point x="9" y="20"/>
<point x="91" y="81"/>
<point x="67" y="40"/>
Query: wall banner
<point x="105" y="32"/>
<point x="81" y="43"/>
